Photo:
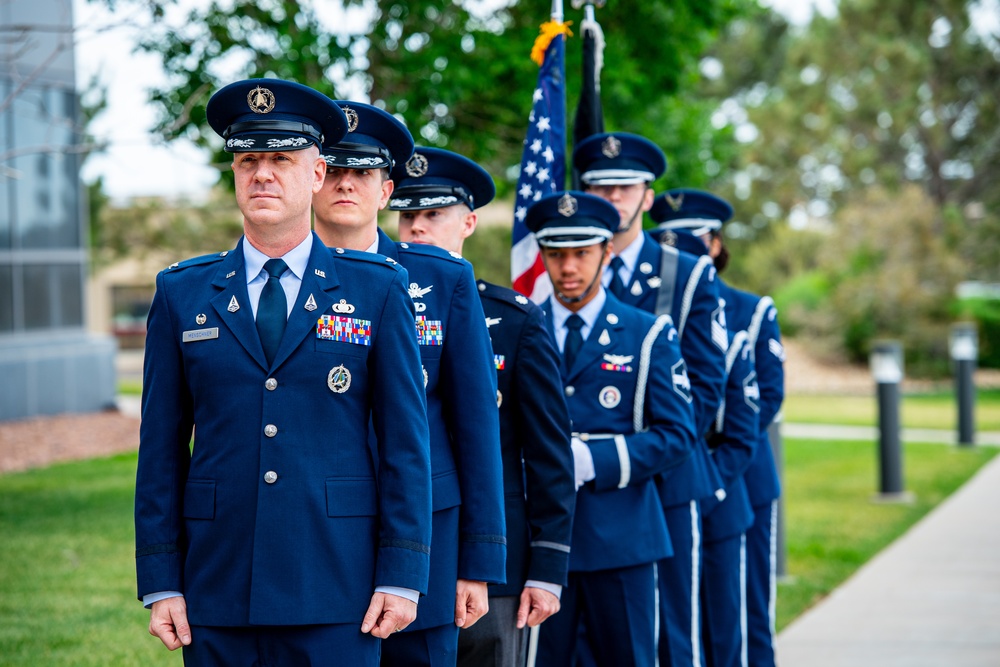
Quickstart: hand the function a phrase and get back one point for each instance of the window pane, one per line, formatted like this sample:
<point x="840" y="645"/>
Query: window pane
<point x="6" y="300"/>
<point x="53" y="296"/>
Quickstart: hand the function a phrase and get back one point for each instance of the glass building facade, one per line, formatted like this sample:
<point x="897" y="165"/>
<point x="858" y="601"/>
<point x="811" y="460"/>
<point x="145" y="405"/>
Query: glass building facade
<point x="49" y="363"/>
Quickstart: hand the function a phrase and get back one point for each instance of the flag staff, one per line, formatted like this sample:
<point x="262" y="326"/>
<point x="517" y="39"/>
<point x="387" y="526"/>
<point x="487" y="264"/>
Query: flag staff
<point x="557" y="10"/>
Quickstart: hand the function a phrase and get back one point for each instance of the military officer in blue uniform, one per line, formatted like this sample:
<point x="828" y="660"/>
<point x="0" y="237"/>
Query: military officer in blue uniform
<point x="468" y="543"/>
<point x="703" y="214"/>
<point x="629" y="399"/>
<point x="437" y="193"/>
<point x="273" y="536"/>
<point x="619" y="167"/>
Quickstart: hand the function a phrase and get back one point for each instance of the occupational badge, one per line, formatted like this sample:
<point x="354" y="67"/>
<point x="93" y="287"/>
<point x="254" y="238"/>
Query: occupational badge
<point x="311" y="303"/>
<point x="426" y="376"/>
<point x="499" y="398"/>
<point x="610" y="397"/>
<point x="611" y="147"/>
<point x="201" y="318"/>
<point x="352" y="118"/>
<point x="617" y="363"/>
<point x="233" y="305"/>
<point x="490" y="321"/>
<point x="338" y="379"/>
<point x="260" y="100"/>
<point x="567" y="205"/>
<point x="343" y="307"/>
<point x="416" y="291"/>
<point x="416" y="166"/>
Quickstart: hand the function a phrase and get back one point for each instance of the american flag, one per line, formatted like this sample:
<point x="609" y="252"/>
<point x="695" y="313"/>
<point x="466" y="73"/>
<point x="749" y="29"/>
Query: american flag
<point x="543" y="169"/>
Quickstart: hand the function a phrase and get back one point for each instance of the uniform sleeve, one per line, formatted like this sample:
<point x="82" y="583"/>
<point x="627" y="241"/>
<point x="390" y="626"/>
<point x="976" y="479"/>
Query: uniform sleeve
<point x="543" y="428"/>
<point x="733" y="448"/>
<point x="703" y="347"/>
<point x="769" y="358"/>
<point x="164" y="454"/>
<point x="469" y="378"/>
<point x="669" y="439"/>
<point x="399" y="420"/>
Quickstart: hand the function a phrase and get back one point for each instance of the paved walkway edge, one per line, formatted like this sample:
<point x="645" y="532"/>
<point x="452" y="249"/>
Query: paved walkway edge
<point x="931" y="598"/>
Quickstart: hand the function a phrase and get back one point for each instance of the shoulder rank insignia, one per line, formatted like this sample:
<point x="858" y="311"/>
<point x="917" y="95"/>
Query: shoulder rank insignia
<point x="521" y="299"/>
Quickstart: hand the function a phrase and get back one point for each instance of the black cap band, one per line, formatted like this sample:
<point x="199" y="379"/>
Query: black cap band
<point x="273" y="126"/>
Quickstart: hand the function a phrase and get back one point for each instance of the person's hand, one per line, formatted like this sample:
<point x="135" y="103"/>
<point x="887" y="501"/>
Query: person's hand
<point x="583" y="462"/>
<point x="536" y="605"/>
<point x="471" y="602"/>
<point x="168" y="621"/>
<point x="387" y="614"/>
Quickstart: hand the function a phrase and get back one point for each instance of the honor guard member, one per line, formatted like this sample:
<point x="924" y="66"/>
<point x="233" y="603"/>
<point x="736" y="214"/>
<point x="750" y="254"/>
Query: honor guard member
<point x="629" y="400"/>
<point x="703" y="214"/>
<point x="272" y="537"/>
<point x="619" y="167"/>
<point x="459" y="380"/>
<point x="437" y="193"/>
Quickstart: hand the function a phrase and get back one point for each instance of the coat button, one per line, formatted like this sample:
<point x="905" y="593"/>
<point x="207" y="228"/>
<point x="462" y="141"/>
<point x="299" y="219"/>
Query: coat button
<point x="270" y="430"/>
<point x="270" y="477"/>
<point x="271" y="384"/>
<point x="569" y="391"/>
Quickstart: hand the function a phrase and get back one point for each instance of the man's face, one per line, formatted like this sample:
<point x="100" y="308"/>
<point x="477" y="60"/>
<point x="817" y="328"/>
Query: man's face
<point x="628" y="199"/>
<point x="352" y="197"/>
<point x="446" y="227"/>
<point x="273" y="188"/>
<point x="573" y="270"/>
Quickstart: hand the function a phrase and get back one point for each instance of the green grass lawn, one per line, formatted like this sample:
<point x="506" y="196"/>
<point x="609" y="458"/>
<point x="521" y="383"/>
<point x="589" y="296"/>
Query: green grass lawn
<point x="832" y="526"/>
<point x="67" y="579"/>
<point x="932" y="410"/>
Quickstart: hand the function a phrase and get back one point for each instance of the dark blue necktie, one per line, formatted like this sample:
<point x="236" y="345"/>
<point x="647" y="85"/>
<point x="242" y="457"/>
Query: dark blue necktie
<point x="617" y="286"/>
<point x="272" y="309"/>
<point x="574" y="339"/>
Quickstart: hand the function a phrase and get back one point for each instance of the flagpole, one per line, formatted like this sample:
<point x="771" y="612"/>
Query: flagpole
<point x="557" y="11"/>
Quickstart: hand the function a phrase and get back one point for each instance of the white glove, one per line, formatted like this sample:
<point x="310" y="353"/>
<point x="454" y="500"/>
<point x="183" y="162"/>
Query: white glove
<point x="583" y="462"/>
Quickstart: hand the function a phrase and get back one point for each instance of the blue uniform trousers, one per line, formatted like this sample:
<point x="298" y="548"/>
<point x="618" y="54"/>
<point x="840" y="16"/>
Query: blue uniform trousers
<point x="762" y="584"/>
<point x="280" y="646"/>
<point x="723" y="594"/>
<point x="430" y="647"/>
<point x="678" y="580"/>
<point x="617" y="607"/>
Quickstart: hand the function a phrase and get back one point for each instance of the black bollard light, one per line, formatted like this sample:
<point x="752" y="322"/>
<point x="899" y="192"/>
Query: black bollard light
<point x="964" y="347"/>
<point x="887" y="369"/>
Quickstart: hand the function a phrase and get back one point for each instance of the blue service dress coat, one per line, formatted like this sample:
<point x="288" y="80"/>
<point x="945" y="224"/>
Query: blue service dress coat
<point x="629" y="399"/>
<point x="733" y="443"/>
<point x="669" y="281"/>
<point x="759" y="318"/>
<point x="538" y="481"/>
<point x="277" y="513"/>
<point x="462" y="416"/>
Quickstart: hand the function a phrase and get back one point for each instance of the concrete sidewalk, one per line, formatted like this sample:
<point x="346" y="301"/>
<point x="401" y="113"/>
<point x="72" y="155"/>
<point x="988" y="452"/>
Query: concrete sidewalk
<point x="838" y="432"/>
<point x="930" y="599"/>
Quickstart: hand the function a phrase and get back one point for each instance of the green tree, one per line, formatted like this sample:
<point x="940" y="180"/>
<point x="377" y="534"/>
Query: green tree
<point x="459" y="75"/>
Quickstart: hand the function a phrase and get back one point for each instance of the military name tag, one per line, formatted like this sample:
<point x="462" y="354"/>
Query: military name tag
<point x="200" y="334"/>
<point x="344" y="329"/>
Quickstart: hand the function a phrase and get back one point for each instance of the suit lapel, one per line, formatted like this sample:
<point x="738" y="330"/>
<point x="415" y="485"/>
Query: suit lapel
<point x="601" y="339"/>
<point x="232" y="303"/>
<point x="318" y="285"/>
<point x="386" y="246"/>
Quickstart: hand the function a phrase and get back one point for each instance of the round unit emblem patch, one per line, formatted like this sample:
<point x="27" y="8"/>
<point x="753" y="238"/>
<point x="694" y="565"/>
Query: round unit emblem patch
<point x="339" y="379"/>
<point x="610" y="397"/>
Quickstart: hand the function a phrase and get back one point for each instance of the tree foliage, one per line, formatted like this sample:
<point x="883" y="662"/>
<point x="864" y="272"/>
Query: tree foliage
<point x="458" y="73"/>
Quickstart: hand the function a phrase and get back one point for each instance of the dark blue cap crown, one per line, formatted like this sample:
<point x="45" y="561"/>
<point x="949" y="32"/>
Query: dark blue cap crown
<point x="266" y="115"/>
<point x="571" y="219"/>
<point x="618" y="158"/>
<point x="435" y="178"/>
<point x="375" y="139"/>
<point x="695" y="210"/>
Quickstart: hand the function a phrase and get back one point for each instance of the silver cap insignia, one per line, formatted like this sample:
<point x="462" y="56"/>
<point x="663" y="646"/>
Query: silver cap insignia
<point x="416" y="166"/>
<point x="612" y="147"/>
<point x="567" y="205"/>
<point x="260" y="100"/>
